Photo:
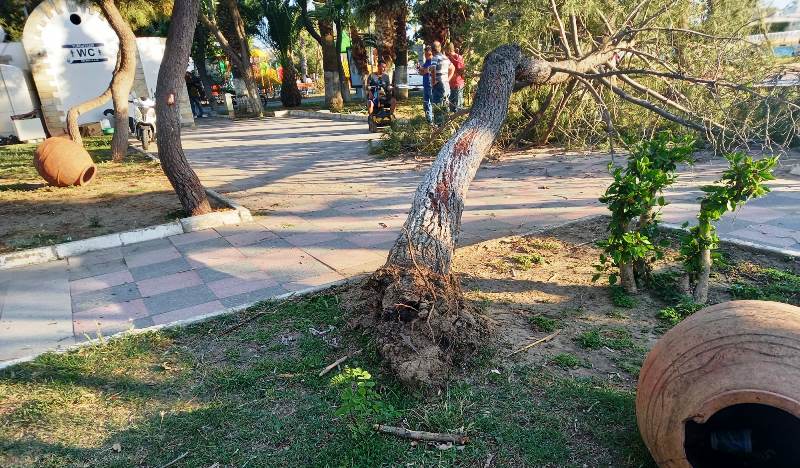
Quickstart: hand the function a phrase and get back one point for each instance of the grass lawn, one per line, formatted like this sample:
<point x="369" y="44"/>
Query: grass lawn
<point x="123" y="196"/>
<point x="406" y="109"/>
<point x="251" y="395"/>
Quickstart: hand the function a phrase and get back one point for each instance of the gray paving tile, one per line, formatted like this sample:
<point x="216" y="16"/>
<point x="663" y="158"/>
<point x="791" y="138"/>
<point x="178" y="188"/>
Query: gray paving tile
<point x="113" y="295"/>
<point x="160" y="269"/>
<point x="254" y="296"/>
<point x="95" y="269"/>
<point x="179" y="299"/>
<point x="230" y="270"/>
<point x="264" y="248"/>
<point x="204" y="246"/>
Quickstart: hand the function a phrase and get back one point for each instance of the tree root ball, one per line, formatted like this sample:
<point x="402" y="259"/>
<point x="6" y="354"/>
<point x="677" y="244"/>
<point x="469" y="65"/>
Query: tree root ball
<point x="421" y="324"/>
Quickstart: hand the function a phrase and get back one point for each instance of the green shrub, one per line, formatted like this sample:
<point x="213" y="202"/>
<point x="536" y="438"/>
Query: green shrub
<point x="526" y="261"/>
<point x="675" y="314"/>
<point x="544" y="324"/>
<point x="359" y="402"/>
<point x="622" y="299"/>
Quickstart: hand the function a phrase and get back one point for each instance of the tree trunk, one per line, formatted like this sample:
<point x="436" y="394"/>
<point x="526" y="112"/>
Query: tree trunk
<point x="187" y="185"/>
<point x="434" y="221"/>
<point x="122" y="80"/>
<point x="627" y="278"/>
<point x="73" y="129"/>
<point x="344" y="83"/>
<point x="701" y="286"/>
<point x="303" y="60"/>
<point x="330" y="66"/>
<point x="240" y="61"/>
<point x="290" y="94"/>
<point x="199" y="52"/>
<point x="385" y="32"/>
<point x="401" y="55"/>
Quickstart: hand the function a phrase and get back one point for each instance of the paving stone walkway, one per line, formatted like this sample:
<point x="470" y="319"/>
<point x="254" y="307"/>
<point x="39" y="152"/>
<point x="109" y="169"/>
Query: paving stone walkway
<point x="324" y="210"/>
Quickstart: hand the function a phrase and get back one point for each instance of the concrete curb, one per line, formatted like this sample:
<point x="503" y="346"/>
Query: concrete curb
<point x="740" y="242"/>
<point x="239" y="214"/>
<point x="323" y="115"/>
<point x="180" y="323"/>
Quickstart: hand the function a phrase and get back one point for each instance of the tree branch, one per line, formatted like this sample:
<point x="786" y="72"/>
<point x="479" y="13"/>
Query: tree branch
<point x="561" y="32"/>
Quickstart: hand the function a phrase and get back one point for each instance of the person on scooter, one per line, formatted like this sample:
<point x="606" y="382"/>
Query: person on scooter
<point x="380" y="89"/>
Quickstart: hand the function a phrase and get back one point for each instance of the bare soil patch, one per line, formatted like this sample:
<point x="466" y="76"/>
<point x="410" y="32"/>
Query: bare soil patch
<point x="531" y="286"/>
<point x="124" y="196"/>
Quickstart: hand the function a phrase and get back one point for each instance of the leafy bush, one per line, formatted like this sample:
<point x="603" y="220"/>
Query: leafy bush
<point x="675" y="314"/>
<point x="632" y="199"/>
<point x="359" y="401"/>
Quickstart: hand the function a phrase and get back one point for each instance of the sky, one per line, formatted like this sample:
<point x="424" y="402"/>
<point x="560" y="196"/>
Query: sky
<point x="776" y="3"/>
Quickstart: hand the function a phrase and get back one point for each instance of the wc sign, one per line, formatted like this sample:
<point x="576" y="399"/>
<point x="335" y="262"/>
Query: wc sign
<point x="85" y="53"/>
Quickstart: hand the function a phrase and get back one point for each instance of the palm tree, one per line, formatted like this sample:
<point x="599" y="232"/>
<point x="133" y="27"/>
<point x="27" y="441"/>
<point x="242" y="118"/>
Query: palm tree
<point x="280" y="31"/>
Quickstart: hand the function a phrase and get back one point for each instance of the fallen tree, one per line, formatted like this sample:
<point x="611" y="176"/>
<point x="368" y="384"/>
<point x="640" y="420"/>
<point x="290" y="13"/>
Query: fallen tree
<point x="414" y="303"/>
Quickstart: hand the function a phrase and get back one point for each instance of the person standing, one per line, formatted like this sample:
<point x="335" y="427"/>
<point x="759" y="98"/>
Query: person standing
<point x="423" y="70"/>
<point x="441" y="71"/>
<point x="457" y="79"/>
<point x="195" y="93"/>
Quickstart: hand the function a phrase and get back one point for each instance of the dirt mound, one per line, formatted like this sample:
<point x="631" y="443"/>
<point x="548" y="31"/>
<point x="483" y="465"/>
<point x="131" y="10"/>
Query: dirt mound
<point x="421" y="322"/>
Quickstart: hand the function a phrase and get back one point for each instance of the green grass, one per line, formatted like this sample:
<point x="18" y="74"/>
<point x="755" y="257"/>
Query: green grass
<point x="675" y="314"/>
<point x="526" y="261"/>
<point x="769" y="284"/>
<point x="253" y="397"/>
<point x="622" y="299"/>
<point x="566" y="360"/>
<point x="544" y="324"/>
<point x="614" y="338"/>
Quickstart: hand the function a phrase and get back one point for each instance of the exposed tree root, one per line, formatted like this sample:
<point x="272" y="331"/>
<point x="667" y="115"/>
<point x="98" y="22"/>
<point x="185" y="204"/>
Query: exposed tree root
<point x="420" y="322"/>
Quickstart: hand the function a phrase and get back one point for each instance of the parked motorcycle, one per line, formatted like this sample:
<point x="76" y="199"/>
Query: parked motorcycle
<point x="143" y="121"/>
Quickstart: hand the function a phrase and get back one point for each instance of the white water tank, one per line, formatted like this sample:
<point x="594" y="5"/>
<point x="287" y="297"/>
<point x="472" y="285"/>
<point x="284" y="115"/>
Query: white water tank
<point x="15" y="99"/>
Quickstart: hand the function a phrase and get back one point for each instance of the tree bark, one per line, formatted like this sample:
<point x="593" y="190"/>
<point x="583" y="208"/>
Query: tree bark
<point x="434" y="222"/>
<point x="344" y="83"/>
<point x="73" y="129"/>
<point x="401" y="54"/>
<point x="330" y="64"/>
<point x="199" y="52"/>
<point x="240" y="61"/>
<point x="701" y="286"/>
<point x="122" y="81"/>
<point x="290" y="94"/>
<point x="187" y="185"/>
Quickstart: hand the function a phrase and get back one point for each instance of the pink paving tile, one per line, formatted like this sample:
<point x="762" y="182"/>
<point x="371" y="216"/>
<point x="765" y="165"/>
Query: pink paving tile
<point x="214" y="257"/>
<point x="188" y="312"/>
<point x="192" y="237"/>
<point x="162" y="284"/>
<point x="95" y="283"/>
<point x="232" y="286"/>
<point x="311" y="238"/>
<point x="275" y="258"/>
<point x="149" y="258"/>
<point x="369" y="239"/>
<point x="320" y="280"/>
<point x="109" y="318"/>
<point x="252" y="237"/>
<point x="341" y="258"/>
<point x="758" y="214"/>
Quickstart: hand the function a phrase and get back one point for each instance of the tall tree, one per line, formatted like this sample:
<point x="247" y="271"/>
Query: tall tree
<point x="400" y="50"/>
<point x="122" y="80"/>
<point x="326" y="39"/>
<point x="200" y="51"/>
<point x="187" y="185"/>
<point x="281" y="33"/>
<point x="239" y="52"/>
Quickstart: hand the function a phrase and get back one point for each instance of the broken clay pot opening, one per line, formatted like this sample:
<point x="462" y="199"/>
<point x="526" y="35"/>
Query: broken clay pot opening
<point x="87" y="175"/>
<point x="747" y="435"/>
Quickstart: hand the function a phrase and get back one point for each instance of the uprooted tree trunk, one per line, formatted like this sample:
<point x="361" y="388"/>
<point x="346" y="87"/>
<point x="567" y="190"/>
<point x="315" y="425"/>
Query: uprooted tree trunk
<point x="122" y="80"/>
<point x="187" y="185"/>
<point x="415" y="303"/>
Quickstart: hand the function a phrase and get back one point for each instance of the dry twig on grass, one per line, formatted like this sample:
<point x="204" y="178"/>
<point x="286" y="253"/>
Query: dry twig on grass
<point x="337" y="362"/>
<point x="180" y="457"/>
<point x="537" y="342"/>
<point x="456" y="439"/>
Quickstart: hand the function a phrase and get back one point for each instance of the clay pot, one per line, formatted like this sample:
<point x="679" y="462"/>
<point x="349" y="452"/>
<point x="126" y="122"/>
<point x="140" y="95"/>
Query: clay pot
<point x="723" y="382"/>
<point x="62" y="162"/>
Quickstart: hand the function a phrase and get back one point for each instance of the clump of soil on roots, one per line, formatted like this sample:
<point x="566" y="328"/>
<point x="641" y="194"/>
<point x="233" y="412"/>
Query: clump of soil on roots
<point x="422" y="325"/>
